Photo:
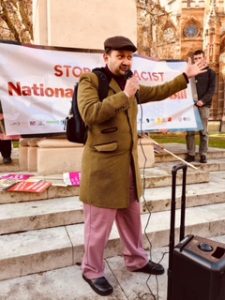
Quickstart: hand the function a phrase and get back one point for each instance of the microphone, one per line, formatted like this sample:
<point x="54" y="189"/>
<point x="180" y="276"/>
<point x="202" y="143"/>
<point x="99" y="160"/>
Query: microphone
<point x="128" y="75"/>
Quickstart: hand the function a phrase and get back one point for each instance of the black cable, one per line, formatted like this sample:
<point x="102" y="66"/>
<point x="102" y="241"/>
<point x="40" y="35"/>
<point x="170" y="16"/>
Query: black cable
<point x="142" y="133"/>
<point x="155" y="297"/>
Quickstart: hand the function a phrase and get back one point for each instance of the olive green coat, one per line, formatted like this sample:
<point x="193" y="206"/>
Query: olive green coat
<point x="112" y="139"/>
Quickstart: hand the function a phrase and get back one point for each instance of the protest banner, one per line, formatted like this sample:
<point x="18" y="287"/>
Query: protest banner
<point x="37" y="85"/>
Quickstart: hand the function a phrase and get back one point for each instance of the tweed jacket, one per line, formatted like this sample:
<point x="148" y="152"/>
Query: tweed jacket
<point x="112" y="139"/>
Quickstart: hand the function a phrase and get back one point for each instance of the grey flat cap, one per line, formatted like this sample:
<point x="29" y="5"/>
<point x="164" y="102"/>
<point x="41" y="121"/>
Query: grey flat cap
<point x="119" y="43"/>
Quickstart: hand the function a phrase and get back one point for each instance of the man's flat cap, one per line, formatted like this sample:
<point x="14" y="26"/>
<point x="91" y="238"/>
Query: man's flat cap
<point x="119" y="43"/>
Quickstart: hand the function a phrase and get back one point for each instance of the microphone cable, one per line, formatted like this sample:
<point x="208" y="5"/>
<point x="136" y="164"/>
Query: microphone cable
<point x="142" y="134"/>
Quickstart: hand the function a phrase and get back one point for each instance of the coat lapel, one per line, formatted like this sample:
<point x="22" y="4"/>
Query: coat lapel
<point x="114" y="86"/>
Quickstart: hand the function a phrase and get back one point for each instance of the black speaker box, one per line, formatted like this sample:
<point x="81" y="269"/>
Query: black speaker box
<point x="198" y="271"/>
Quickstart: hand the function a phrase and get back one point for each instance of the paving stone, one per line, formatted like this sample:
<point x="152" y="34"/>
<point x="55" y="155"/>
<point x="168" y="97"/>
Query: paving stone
<point x="67" y="283"/>
<point x="60" y="284"/>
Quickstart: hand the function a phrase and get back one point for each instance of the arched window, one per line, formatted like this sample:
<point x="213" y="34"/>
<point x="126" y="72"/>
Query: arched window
<point x="191" y="29"/>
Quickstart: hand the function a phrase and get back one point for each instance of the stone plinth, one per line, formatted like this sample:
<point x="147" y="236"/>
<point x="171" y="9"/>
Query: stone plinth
<point x="56" y="155"/>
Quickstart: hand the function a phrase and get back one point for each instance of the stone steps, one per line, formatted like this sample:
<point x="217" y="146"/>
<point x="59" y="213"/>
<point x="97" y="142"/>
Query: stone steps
<point x="157" y="176"/>
<point x="41" y="232"/>
<point x="160" y="175"/>
<point x="67" y="283"/>
<point x="180" y="150"/>
<point x="32" y="215"/>
<point x="40" y="214"/>
<point x="51" y="193"/>
<point x="159" y="199"/>
<point x="47" y="249"/>
<point x="59" y="284"/>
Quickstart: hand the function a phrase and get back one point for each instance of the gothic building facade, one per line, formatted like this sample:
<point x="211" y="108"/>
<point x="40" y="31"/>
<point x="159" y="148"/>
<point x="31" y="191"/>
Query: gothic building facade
<point x="170" y="29"/>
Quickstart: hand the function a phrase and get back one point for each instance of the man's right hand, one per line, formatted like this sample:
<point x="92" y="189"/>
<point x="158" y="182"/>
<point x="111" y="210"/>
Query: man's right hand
<point x="131" y="86"/>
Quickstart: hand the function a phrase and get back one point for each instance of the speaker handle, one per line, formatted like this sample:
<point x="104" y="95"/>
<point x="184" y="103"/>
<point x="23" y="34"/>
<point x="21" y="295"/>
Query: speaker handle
<point x="175" y="169"/>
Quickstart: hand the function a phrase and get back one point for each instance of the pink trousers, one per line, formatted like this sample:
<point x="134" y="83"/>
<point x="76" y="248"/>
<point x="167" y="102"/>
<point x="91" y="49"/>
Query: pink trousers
<point x="98" y="225"/>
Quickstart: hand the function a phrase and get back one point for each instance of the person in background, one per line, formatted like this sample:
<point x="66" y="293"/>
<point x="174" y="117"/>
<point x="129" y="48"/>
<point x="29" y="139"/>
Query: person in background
<point x="6" y="149"/>
<point x="110" y="178"/>
<point x="5" y="141"/>
<point x="205" y="86"/>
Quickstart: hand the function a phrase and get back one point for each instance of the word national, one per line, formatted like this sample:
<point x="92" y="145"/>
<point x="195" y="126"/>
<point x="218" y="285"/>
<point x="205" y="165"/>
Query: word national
<point x="38" y="90"/>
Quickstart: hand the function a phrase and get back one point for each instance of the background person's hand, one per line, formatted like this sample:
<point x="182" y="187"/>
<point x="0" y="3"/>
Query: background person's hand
<point x="199" y="103"/>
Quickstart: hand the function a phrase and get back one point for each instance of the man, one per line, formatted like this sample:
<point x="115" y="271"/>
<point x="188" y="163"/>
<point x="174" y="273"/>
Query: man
<point x="5" y="149"/>
<point x="110" y="178"/>
<point x="205" y="85"/>
<point x="5" y="141"/>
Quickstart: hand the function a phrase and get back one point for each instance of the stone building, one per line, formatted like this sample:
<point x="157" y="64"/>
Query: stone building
<point x="169" y="29"/>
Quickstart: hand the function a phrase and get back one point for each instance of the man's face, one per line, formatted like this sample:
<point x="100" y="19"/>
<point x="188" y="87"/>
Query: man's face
<point x="119" y="61"/>
<point x="199" y="58"/>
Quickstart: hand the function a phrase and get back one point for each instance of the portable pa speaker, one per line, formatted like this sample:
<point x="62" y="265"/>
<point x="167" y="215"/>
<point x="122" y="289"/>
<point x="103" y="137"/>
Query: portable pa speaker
<point x="198" y="271"/>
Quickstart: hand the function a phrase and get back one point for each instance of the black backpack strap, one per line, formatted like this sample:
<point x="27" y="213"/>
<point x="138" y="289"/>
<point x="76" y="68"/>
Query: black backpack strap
<point x="103" y="82"/>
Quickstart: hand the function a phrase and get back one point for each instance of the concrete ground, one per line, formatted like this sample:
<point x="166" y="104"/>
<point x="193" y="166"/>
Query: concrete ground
<point x="67" y="283"/>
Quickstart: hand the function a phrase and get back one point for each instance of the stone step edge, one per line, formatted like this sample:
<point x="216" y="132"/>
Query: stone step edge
<point x="170" y="158"/>
<point x="150" y="181"/>
<point x="69" y="242"/>
<point x="180" y="150"/>
<point x="35" y="220"/>
<point x="51" y="193"/>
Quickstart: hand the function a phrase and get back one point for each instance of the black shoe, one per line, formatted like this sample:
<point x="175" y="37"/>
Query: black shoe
<point x="190" y="158"/>
<point x="7" y="160"/>
<point x="203" y="159"/>
<point x="100" y="285"/>
<point x="151" y="268"/>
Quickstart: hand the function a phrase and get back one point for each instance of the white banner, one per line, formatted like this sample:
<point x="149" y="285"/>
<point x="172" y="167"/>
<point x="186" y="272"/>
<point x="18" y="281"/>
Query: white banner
<point x="37" y="85"/>
<point x="174" y="113"/>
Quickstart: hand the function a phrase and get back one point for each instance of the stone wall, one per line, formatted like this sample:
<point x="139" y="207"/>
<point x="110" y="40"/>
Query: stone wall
<point x="83" y="23"/>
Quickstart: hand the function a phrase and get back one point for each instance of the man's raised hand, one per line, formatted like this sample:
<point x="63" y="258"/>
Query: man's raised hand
<point x="196" y="68"/>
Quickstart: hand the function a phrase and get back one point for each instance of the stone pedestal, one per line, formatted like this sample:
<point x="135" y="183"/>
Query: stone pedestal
<point x="57" y="155"/>
<point x="28" y="154"/>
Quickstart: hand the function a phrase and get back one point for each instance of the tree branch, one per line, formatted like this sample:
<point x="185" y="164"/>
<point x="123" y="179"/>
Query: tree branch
<point x="17" y="17"/>
<point x="25" y="19"/>
<point x="7" y="19"/>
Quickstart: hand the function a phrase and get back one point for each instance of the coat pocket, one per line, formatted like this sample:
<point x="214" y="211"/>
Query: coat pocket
<point x="106" y="147"/>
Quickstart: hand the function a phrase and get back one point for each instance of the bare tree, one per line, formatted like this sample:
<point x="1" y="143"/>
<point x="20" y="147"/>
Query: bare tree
<point x="16" y="20"/>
